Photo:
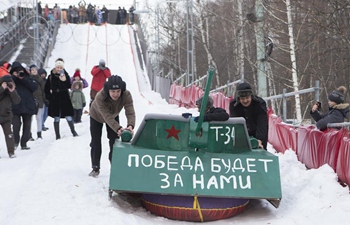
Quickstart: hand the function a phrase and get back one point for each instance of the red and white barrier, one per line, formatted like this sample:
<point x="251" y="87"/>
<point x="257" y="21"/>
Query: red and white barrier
<point x="313" y="147"/>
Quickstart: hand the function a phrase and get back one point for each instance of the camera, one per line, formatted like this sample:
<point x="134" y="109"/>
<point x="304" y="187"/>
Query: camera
<point x="62" y="73"/>
<point x="9" y="85"/>
<point x="21" y="74"/>
<point x="319" y="108"/>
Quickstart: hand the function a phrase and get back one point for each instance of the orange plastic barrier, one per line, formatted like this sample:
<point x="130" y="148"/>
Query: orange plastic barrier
<point x="343" y="164"/>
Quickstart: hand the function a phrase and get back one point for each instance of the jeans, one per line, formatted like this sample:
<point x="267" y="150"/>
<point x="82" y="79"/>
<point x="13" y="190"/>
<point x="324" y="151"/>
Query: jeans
<point x="45" y="114"/>
<point x="39" y="119"/>
<point x="68" y="118"/>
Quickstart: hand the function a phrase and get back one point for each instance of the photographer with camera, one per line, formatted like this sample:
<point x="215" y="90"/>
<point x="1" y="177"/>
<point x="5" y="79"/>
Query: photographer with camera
<point x="8" y="96"/>
<point x="100" y="74"/>
<point x="338" y="110"/>
<point x="23" y="112"/>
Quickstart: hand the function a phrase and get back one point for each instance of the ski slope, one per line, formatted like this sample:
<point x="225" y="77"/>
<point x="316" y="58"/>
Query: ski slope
<point x="49" y="184"/>
<point x="82" y="46"/>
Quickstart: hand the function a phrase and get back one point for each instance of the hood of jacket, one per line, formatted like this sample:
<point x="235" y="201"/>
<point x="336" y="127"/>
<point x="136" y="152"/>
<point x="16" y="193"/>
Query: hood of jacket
<point x="343" y="108"/>
<point x="77" y="82"/>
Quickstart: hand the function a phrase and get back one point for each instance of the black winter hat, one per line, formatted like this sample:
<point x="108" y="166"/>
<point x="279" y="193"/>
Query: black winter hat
<point x="32" y="66"/>
<point x="41" y="71"/>
<point x="210" y="102"/>
<point x="114" y="82"/>
<point x="6" y="78"/>
<point x="17" y="66"/>
<point x="337" y="96"/>
<point x="244" y="90"/>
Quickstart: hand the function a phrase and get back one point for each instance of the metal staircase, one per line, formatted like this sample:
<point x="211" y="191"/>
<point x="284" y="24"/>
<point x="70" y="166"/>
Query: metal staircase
<point x="24" y="36"/>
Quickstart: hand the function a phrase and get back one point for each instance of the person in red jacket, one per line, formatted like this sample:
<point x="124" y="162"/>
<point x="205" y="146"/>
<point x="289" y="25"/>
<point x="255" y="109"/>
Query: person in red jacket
<point x="5" y="67"/>
<point x="100" y="74"/>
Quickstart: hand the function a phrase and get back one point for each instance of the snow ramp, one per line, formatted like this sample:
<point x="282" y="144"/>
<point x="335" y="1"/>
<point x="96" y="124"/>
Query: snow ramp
<point x="83" y="45"/>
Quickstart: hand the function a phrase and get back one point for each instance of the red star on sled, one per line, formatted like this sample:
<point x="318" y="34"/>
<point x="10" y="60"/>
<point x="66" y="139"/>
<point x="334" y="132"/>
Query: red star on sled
<point x="172" y="132"/>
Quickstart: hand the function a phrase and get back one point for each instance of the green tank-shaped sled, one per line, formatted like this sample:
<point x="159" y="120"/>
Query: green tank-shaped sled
<point x="172" y="155"/>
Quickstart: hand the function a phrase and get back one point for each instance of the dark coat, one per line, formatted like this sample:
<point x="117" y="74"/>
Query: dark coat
<point x="25" y="88"/>
<point x="57" y="93"/>
<point x="336" y="114"/>
<point x="39" y="94"/>
<point x="255" y="116"/>
<point x="104" y="12"/>
<point x="6" y="100"/>
<point x="216" y="114"/>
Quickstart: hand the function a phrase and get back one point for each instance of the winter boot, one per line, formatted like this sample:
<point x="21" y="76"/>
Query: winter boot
<point x="57" y="129"/>
<point x="95" y="172"/>
<point x="39" y="135"/>
<point x="31" y="137"/>
<point x="71" y="126"/>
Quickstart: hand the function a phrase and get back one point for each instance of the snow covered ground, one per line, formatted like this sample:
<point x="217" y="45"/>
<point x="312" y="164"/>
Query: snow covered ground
<point x="49" y="184"/>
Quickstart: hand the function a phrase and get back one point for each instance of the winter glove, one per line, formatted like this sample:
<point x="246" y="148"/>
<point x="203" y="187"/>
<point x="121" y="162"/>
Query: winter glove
<point x="84" y="104"/>
<point x="186" y="115"/>
<point x="196" y="119"/>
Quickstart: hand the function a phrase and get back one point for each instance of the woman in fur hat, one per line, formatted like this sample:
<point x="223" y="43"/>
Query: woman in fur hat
<point x="338" y="111"/>
<point x="57" y="93"/>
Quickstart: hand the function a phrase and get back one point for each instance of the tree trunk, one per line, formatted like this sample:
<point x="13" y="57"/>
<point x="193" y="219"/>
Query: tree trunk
<point x="293" y="60"/>
<point x="240" y="41"/>
<point x="203" y="32"/>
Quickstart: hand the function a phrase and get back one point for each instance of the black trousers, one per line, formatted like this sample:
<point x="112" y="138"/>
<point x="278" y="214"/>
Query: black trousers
<point x="7" y="129"/>
<point x="77" y="115"/>
<point x="17" y="123"/>
<point x="96" y="145"/>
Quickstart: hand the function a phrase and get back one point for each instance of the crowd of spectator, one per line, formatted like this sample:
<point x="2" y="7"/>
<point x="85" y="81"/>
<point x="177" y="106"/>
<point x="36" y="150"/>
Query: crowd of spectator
<point x="83" y="13"/>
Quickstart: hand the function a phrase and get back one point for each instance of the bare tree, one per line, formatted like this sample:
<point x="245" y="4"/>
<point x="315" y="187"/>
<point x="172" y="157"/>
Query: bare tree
<point x="311" y="42"/>
<point x="205" y="38"/>
<point x="293" y="60"/>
